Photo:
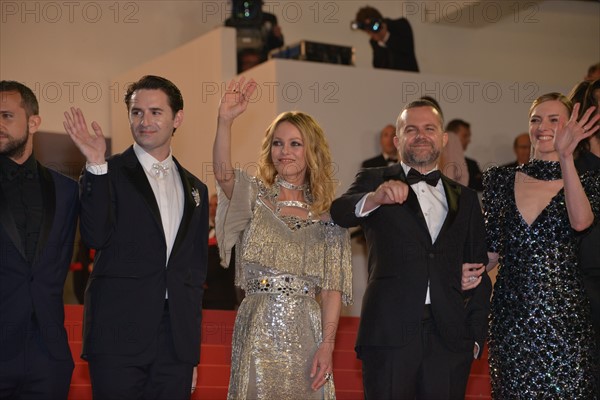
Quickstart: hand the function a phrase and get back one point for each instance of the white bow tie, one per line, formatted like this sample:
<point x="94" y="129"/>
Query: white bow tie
<point x="160" y="170"/>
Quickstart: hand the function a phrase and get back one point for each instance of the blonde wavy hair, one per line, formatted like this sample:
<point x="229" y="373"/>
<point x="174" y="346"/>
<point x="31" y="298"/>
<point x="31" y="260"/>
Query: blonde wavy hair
<point x="319" y="167"/>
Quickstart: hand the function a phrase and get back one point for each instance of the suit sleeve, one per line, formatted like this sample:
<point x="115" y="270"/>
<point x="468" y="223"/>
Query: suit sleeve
<point x="343" y="209"/>
<point x="379" y="55"/>
<point x="478" y="299"/>
<point x="73" y="213"/>
<point x="97" y="210"/>
<point x="591" y="185"/>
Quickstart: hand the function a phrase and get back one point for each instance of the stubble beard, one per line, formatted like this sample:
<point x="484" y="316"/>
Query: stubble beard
<point x="14" y="148"/>
<point x="420" y="160"/>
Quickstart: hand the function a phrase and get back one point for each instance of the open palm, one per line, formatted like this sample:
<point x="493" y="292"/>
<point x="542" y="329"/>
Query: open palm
<point x="235" y="99"/>
<point x="92" y="145"/>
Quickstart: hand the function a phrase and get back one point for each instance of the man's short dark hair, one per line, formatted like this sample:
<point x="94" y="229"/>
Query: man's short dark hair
<point x="28" y="100"/>
<point x="424" y="103"/>
<point x="593" y="68"/>
<point x="368" y="13"/>
<point x="455" y="124"/>
<point x="153" y="82"/>
<point x="435" y="103"/>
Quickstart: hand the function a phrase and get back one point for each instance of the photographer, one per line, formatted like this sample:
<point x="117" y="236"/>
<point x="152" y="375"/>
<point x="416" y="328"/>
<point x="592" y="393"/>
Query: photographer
<point x="391" y="40"/>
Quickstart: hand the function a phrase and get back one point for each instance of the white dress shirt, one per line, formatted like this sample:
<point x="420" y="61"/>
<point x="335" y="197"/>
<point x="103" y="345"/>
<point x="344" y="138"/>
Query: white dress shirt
<point x="432" y="201"/>
<point x="168" y="191"/>
<point x="167" y="188"/>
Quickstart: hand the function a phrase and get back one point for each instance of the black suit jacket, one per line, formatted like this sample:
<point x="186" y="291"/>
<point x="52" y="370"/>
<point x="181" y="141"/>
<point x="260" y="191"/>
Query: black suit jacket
<point x="475" y="175"/>
<point x="402" y="260"/>
<point x="36" y="289"/>
<point x="125" y="296"/>
<point x="589" y="251"/>
<point x="399" y="52"/>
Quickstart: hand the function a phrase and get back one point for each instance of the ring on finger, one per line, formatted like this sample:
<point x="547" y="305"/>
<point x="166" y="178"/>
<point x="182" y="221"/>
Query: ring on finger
<point x="472" y="279"/>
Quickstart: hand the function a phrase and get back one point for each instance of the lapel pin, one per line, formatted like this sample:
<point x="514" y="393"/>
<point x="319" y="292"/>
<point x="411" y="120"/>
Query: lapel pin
<point x="196" y="196"/>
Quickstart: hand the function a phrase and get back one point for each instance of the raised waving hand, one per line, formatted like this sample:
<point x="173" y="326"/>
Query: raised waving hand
<point x="233" y="103"/>
<point x="91" y="144"/>
<point x="573" y="131"/>
<point x="235" y="99"/>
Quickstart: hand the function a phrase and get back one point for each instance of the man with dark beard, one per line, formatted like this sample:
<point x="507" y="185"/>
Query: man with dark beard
<point x="38" y="210"/>
<point x="418" y="331"/>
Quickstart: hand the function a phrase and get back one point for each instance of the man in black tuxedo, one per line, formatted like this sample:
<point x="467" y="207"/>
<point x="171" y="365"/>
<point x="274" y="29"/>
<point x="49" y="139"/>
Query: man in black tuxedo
<point x="418" y="331"/>
<point x="147" y="217"/>
<point x="389" y="154"/>
<point x="38" y="216"/>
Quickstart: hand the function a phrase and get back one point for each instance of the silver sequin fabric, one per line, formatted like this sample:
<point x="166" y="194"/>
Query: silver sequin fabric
<point x="541" y="344"/>
<point x="281" y="263"/>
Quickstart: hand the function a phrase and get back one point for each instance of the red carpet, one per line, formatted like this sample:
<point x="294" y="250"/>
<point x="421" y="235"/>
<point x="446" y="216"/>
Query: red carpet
<point x="213" y="372"/>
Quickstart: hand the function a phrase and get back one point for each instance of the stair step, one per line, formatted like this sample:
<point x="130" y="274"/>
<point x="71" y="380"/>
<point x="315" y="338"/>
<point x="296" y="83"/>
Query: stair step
<point x="215" y="360"/>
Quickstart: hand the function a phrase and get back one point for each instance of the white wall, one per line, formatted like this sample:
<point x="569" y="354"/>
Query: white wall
<point x="338" y="97"/>
<point x="69" y="51"/>
<point x="81" y="53"/>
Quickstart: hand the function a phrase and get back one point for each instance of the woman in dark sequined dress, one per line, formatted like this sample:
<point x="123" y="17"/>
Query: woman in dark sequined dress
<point x="541" y="341"/>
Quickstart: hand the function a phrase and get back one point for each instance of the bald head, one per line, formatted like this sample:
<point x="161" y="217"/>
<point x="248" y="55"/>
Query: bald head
<point x="522" y="148"/>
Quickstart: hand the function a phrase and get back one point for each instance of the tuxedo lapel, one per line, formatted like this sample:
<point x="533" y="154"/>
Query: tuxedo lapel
<point x="134" y="171"/>
<point x="8" y="224"/>
<point x="395" y="172"/>
<point x="189" y="203"/>
<point x="453" y="192"/>
<point x="49" y="201"/>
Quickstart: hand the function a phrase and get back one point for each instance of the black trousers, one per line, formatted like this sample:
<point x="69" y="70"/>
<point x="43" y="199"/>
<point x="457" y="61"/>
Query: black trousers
<point x="155" y="375"/>
<point x="425" y="369"/>
<point x="34" y="374"/>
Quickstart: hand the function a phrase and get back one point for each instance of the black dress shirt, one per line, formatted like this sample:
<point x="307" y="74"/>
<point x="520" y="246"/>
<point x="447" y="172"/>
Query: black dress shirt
<point x="23" y="193"/>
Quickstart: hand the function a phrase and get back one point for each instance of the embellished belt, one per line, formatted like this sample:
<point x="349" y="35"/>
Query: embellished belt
<point x="284" y="284"/>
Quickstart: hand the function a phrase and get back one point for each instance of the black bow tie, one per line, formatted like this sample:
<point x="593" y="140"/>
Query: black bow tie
<point x="21" y="173"/>
<point x="415" y="176"/>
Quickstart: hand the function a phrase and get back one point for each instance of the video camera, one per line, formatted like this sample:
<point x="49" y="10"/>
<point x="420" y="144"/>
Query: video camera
<point x="369" y="26"/>
<point x="246" y="13"/>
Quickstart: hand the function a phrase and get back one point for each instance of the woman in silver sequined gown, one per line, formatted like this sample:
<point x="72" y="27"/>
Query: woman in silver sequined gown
<point x="287" y="252"/>
<point x="541" y="342"/>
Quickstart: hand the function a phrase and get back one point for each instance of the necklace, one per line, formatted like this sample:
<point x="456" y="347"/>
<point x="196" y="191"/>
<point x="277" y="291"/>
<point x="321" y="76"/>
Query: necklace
<point x="542" y="170"/>
<point x="291" y="203"/>
<point x="273" y="196"/>
<point x="283" y="183"/>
